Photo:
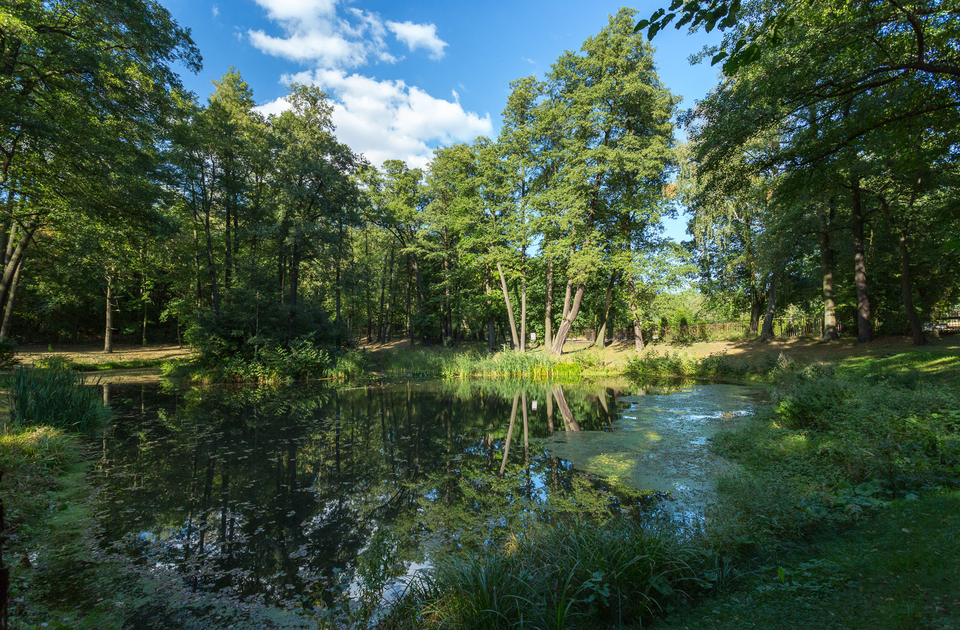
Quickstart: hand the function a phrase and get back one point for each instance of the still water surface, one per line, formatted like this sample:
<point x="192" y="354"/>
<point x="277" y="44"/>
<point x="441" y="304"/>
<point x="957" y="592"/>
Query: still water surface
<point x="292" y="496"/>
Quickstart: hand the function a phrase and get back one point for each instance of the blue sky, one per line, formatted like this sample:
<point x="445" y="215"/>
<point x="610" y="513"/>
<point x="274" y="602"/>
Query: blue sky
<point x="407" y="77"/>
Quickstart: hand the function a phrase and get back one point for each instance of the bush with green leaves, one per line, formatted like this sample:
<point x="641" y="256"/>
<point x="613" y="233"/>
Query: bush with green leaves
<point x="8" y="353"/>
<point x="57" y="398"/>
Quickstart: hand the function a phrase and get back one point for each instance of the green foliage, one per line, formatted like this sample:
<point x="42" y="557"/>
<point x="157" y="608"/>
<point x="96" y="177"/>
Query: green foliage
<point x="471" y="364"/>
<point x="29" y="452"/>
<point x="830" y="449"/>
<point x="54" y="362"/>
<point x="57" y="398"/>
<point x="717" y="365"/>
<point x="576" y="576"/>
<point x="8" y="356"/>
<point x="896" y="570"/>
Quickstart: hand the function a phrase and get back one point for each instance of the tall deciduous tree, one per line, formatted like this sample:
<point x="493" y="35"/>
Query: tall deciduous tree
<point x="613" y="150"/>
<point x="85" y="92"/>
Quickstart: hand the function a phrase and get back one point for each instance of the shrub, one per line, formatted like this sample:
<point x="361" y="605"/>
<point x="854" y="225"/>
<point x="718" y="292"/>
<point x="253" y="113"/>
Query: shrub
<point x="54" y="362"/>
<point x="8" y="356"/>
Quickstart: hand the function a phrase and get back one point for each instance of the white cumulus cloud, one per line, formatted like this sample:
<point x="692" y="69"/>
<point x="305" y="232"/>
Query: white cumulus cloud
<point x="419" y="36"/>
<point x="317" y="31"/>
<point x="313" y="31"/>
<point x="389" y="119"/>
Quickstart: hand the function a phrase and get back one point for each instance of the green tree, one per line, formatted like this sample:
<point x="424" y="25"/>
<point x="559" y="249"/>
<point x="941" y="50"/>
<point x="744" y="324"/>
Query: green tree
<point x="85" y="96"/>
<point x="615" y="147"/>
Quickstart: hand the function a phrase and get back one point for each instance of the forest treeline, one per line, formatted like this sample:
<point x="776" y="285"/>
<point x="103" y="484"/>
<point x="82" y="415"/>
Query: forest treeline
<point x="820" y="162"/>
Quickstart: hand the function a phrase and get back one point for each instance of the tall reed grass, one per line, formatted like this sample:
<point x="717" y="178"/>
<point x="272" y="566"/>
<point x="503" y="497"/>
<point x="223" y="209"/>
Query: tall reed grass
<point x="453" y="365"/>
<point x="56" y="398"/>
<point x="619" y="574"/>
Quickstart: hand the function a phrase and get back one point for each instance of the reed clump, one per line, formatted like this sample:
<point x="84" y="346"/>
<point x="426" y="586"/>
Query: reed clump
<point x="472" y="364"/>
<point x="580" y="576"/>
<point x="55" y="398"/>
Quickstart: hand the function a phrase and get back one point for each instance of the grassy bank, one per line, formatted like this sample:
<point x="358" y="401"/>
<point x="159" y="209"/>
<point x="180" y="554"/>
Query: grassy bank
<point x="843" y="456"/>
<point x="897" y="569"/>
<point x="306" y="362"/>
<point x="46" y="498"/>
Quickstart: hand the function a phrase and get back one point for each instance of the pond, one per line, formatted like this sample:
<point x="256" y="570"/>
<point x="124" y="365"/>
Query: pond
<point x="275" y="502"/>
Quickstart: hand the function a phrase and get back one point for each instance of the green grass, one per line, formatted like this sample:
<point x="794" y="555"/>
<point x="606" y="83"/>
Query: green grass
<point x="934" y="363"/>
<point x="59" y="361"/>
<point x="55" y="398"/>
<point x="577" y="576"/>
<point x="459" y="364"/>
<point x="898" y="570"/>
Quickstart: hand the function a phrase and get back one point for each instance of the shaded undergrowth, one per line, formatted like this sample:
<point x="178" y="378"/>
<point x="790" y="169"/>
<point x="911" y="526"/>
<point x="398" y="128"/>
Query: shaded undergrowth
<point x="577" y="576"/>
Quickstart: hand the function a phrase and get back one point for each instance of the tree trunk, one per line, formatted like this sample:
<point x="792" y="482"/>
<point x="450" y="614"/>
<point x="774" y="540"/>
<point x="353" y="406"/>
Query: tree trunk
<point x="637" y="334"/>
<point x="506" y="299"/>
<point x="548" y="319"/>
<point x="830" y="332"/>
<point x="756" y="307"/>
<point x="12" y="260"/>
<point x="506" y="447"/>
<point x="864" y="326"/>
<point x="421" y="298"/>
<point x="916" y="329"/>
<point x="108" y="332"/>
<point x="409" y="313"/>
<point x="143" y="302"/>
<point x="337" y="318"/>
<point x="388" y="309"/>
<point x="568" y="320"/>
<point x="214" y="291"/>
<point x="766" y="334"/>
<point x="523" y="310"/>
<point x="637" y="321"/>
<point x="11" y="302"/>
<point x="566" y="300"/>
<point x="601" y="338"/>
<point x="228" y="253"/>
<point x="197" y="268"/>
<point x="381" y="328"/>
<point x="294" y="288"/>
<point x="906" y="283"/>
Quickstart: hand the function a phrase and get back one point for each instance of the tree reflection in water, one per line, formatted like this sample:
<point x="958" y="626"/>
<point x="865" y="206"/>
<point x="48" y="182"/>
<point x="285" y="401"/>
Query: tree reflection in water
<point x="271" y="495"/>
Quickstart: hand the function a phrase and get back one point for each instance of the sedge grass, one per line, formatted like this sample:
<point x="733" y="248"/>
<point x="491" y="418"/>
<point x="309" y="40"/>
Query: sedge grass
<point x="577" y="576"/>
<point x="56" y="398"/>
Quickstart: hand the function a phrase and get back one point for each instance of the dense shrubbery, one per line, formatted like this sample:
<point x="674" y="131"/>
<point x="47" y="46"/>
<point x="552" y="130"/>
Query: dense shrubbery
<point x="55" y="398"/>
<point x="276" y="363"/>
<point x="8" y="356"/>
<point x="713" y="366"/>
